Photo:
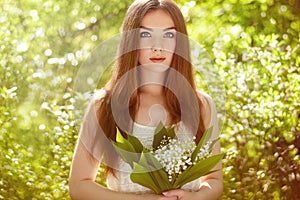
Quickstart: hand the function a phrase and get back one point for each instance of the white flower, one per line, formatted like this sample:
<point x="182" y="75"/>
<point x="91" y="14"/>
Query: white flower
<point x="175" y="156"/>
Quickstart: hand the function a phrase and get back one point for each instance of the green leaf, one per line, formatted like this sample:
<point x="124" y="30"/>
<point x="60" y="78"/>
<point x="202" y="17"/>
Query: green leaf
<point x="162" y="180"/>
<point x="135" y="142"/>
<point x="204" y="139"/>
<point x="201" y="168"/>
<point x="125" y="149"/>
<point x="159" y="134"/>
<point x="122" y="143"/>
<point x="154" y="169"/>
<point x="213" y="143"/>
<point x="147" y="159"/>
<point x="140" y="176"/>
<point x="157" y="171"/>
<point x="171" y="132"/>
<point x="128" y="155"/>
<point x="119" y="137"/>
<point x="157" y="180"/>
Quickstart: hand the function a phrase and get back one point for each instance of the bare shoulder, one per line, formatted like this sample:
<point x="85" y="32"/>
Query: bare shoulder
<point x="99" y="94"/>
<point x="207" y="108"/>
<point x="204" y="97"/>
<point x="95" y="100"/>
<point x="97" y="97"/>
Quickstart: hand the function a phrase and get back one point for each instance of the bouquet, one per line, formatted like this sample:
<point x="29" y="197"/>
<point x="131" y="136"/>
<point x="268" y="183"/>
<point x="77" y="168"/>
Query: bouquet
<point x="171" y="162"/>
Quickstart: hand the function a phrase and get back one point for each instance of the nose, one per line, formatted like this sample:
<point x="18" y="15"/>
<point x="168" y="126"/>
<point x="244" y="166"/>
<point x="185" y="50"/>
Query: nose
<point x="156" y="50"/>
<point x="157" y="46"/>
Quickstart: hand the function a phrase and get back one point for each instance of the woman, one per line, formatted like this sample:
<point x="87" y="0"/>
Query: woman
<point x="152" y="82"/>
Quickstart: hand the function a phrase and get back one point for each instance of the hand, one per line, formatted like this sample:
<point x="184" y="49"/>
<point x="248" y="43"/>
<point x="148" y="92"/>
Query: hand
<point x="159" y="197"/>
<point x="180" y="194"/>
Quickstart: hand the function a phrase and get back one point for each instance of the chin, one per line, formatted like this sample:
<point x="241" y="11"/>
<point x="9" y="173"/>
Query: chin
<point x="155" y="67"/>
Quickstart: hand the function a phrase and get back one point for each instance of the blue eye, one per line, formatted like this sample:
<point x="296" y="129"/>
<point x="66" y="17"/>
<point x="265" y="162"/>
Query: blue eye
<point x="169" y="35"/>
<point x="145" y="34"/>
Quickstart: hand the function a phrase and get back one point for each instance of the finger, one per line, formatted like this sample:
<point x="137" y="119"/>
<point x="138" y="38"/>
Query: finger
<point x="172" y="193"/>
<point x="168" y="198"/>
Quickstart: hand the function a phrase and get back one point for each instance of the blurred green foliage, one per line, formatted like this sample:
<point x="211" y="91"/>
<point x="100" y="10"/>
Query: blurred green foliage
<point x="254" y="46"/>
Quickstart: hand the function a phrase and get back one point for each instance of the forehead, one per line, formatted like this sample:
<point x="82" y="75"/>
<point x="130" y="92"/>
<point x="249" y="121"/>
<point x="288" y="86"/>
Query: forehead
<point x="157" y="19"/>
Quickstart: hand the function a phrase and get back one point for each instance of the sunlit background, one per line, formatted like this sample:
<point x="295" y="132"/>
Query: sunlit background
<point x="251" y="46"/>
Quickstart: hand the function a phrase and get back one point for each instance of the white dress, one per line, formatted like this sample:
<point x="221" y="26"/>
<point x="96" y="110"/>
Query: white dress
<point x="121" y="181"/>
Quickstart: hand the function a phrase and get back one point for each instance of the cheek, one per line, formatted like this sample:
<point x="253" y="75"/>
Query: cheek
<point x="145" y="43"/>
<point x="142" y="55"/>
<point x="169" y="58"/>
<point x="170" y="46"/>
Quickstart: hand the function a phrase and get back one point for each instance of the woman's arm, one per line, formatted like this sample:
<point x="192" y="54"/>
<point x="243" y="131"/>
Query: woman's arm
<point x="82" y="183"/>
<point x="212" y="185"/>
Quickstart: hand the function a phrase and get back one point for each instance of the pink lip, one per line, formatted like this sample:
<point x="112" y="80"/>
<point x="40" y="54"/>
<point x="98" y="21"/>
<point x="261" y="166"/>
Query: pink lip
<point x="156" y="60"/>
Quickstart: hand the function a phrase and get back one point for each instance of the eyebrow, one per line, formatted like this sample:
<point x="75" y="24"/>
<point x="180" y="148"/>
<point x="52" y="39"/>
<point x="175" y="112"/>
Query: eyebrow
<point x="151" y="29"/>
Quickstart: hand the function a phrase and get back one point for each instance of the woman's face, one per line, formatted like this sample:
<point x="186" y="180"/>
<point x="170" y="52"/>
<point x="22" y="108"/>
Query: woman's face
<point x="157" y="40"/>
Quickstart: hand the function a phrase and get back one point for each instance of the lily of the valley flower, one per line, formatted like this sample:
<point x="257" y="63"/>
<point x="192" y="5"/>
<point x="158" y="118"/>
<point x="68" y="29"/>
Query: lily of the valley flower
<point x="176" y="155"/>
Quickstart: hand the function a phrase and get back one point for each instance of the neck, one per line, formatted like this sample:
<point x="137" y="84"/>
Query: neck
<point x="151" y="81"/>
<point x="155" y="90"/>
<point x="149" y="75"/>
